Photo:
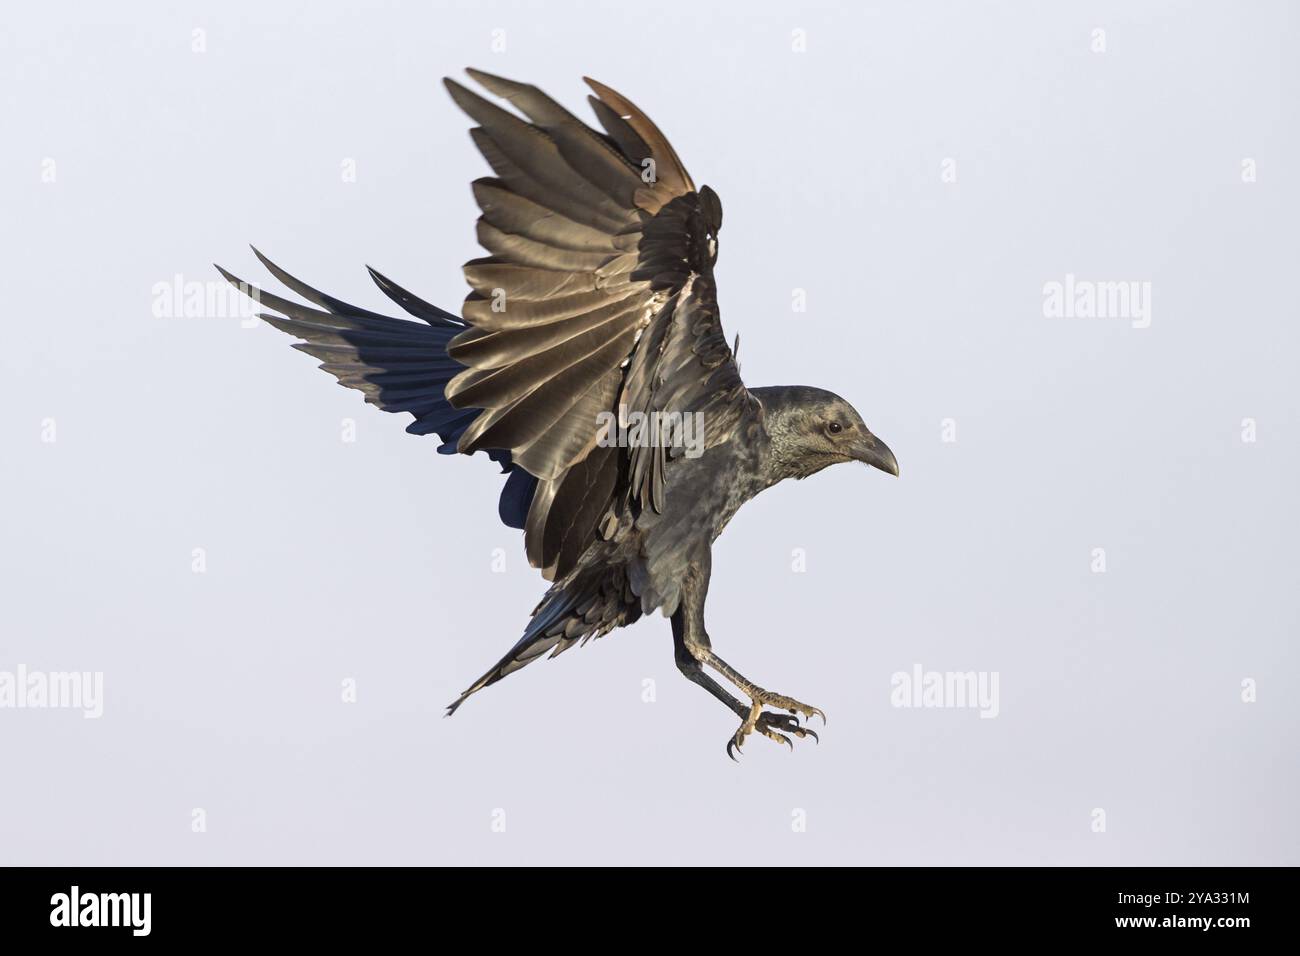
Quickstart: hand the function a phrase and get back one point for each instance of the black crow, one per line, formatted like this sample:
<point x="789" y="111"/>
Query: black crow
<point x="590" y="363"/>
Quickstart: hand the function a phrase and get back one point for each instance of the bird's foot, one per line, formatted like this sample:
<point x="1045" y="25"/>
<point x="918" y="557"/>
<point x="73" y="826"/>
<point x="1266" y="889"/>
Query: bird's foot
<point x="781" y="702"/>
<point x="773" y="726"/>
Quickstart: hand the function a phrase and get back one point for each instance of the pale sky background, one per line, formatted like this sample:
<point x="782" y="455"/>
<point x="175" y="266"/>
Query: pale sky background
<point x="373" y="560"/>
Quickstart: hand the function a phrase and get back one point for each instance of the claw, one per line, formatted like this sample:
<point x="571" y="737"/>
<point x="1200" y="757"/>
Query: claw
<point x="795" y="707"/>
<point x="735" y="747"/>
<point x="779" y="738"/>
<point x="737" y="742"/>
<point x="775" y="725"/>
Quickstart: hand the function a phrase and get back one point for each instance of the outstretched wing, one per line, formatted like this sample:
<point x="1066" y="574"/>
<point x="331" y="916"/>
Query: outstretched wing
<point x="398" y="364"/>
<point x="597" y="297"/>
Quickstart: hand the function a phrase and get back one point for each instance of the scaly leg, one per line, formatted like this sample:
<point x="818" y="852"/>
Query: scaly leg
<point x="692" y="651"/>
<point x="694" y="670"/>
<point x="768" y="724"/>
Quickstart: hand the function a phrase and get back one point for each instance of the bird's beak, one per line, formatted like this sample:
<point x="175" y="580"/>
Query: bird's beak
<point x="876" y="453"/>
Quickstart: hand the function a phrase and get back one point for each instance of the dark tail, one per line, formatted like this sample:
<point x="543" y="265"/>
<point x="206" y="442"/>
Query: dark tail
<point x="582" y="606"/>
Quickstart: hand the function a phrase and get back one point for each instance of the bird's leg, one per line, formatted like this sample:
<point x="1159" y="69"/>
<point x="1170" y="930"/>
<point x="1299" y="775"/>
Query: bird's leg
<point x="769" y="724"/>
<point x="755" y="693"/>
<point x="693" y="650"/>
<point x="694" y="670"/>
<point x="695" y="673"/>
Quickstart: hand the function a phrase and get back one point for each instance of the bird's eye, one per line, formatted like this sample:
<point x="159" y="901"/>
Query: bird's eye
<point x="834" y="428"/>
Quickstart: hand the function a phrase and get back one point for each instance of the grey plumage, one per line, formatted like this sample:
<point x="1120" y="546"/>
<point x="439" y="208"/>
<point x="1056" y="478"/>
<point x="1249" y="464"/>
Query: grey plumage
<point x="597" y="300"/>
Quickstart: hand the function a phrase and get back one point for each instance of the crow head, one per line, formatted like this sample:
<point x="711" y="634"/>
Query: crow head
<point x="811" y="428"/>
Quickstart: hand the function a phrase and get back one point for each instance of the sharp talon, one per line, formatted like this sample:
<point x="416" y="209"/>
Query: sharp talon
<point x="772" y="723"/>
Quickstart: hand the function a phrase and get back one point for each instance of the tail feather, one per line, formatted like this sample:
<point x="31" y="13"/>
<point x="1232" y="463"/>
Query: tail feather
<point x="579" y="608"/>
<point x="544" y="631"/>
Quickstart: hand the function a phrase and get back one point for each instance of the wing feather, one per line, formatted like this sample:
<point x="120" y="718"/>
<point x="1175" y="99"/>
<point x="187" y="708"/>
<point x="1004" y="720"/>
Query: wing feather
<point x="597" y="296"/>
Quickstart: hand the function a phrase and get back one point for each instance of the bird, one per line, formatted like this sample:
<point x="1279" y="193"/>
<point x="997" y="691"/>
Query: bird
<point x="589" y="362"/>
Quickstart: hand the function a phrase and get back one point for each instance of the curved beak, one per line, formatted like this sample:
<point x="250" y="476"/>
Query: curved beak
<point x="876" y="453"/>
